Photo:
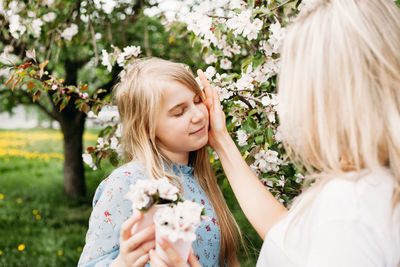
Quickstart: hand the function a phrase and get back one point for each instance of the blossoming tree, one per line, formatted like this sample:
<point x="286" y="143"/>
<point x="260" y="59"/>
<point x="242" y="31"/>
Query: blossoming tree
<point x="239" y="41"/>
<point x="51" y="54"/>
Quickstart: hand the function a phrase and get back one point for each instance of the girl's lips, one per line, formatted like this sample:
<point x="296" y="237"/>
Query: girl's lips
<point x="199" y="131"/>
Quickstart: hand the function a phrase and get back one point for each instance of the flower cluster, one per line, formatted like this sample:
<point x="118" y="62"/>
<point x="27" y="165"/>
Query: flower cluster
<point x="179" y="221"/>
<point x="148" y="192"/>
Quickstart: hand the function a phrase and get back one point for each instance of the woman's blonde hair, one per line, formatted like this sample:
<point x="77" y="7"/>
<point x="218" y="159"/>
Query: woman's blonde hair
<point x="138" y="96"/>
<point x="339" y="88"/>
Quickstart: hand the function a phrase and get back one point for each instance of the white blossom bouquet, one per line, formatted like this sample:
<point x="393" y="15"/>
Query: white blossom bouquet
<point x="148" y="192"/>
<point x="179" y="221"/>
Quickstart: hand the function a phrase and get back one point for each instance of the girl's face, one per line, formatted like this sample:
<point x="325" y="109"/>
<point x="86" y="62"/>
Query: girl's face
<point x="182" y="123"/>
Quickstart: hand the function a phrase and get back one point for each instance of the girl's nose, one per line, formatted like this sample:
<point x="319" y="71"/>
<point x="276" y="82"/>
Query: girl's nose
<point x="197" y="115"/>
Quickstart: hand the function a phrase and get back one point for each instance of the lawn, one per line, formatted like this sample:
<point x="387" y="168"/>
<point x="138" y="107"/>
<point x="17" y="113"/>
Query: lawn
<point x="39" y="225"/>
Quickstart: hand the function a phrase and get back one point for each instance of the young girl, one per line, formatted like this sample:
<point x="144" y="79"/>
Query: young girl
<point x="339" y="92"/>
<point x="165" y="132"/>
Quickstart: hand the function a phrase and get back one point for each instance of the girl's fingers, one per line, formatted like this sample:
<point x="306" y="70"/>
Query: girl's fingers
<point x="193" y="260"/>
<point x="173" y="256"/>
<point x="142" y="260"/>
<point x="155" y="260"/>
<point x="127" y="225"/>
<point x="137" y="239"/>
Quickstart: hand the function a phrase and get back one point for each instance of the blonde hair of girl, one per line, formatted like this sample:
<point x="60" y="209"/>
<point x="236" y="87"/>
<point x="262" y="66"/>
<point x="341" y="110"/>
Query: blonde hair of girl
<point x="138" y="95"/>
<point x="339" y="88"/>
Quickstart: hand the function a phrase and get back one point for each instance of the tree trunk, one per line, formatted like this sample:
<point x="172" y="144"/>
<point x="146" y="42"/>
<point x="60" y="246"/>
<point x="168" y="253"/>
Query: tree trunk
<point x="72" y="125"/>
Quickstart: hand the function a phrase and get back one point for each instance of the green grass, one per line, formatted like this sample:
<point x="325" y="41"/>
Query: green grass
<point x="35" y="213"/>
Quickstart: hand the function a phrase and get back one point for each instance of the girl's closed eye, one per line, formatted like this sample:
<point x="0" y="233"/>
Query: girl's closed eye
<point x="178" y="112"/>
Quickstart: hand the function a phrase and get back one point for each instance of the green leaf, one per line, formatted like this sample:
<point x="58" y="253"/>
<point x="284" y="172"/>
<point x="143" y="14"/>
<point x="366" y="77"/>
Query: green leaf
<point x="252" y="123"/>
<point x="246" y="62"/>
<point x="259" y="139"/>
<point x="258" y="61"/>
<point x="114" y="159"/>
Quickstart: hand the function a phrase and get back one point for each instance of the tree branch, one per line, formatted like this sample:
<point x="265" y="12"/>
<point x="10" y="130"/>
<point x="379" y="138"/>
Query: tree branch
<point x="37" y="103"/>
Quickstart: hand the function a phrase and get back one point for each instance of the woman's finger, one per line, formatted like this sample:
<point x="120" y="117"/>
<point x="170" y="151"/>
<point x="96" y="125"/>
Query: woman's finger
<point x="137" y="239"/>
<point x="208" y="90"/>
<point x="173" y="256"/>
<point x="127" y="225"/>
<point x="155" y="260"/>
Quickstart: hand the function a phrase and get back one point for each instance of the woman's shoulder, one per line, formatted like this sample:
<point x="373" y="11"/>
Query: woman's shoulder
<point x="365" y="197"/>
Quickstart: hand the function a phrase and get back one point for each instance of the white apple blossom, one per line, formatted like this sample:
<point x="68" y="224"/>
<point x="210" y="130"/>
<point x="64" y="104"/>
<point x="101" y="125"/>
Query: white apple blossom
<point x="242" y="137"/>
<point x="37" y="27"/>
<point x="226" y="64"/>
<point x="87" y="158"/>
<point x="223" y="93"/>
<point x="179" y="221"/>
<point x="278" y="135"/>
<point x="270" y="100"/>
<point x="299" y="177"/>
<point x="281" y="181"/>
<point x="245" y="82"/>
<point x="15" y="27"/>
<point x="256" y="170"/>
<point x="146" y="192"/>
<point x="48" y="2"/>
<point x="128" y="52"/>
<point x="70" y="32"/>
<point x="236" y="49"/>
<point x="267" y="160"/>
<point x="139" y="199"/>
<point x="49" y="17"/>
<point x="237" y="4"/>
<point x="210" y="72"/>
<point x="105" y="60"/>
<point x="101" y="142"/>
<point x="277" y="35"/>
<point x="118" y="132"/>
<point x="114" y="143"/>
<point x="211" y="59"/>
<point x="167" y="190"/>
<point x="267" y="182"/>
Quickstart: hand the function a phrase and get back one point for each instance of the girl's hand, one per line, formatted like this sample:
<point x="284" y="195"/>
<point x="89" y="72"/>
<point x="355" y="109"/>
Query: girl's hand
<point x="133" y="251"/>
<point x="217" y="129"/>
<point x="175" y="259"/>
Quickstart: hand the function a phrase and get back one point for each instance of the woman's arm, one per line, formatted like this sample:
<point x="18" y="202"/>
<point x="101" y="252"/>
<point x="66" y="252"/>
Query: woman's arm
<point x="258" y="204"/>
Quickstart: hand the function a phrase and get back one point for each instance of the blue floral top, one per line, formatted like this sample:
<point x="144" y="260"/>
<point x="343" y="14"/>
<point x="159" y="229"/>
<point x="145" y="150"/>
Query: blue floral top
<point x="111" y="209"/>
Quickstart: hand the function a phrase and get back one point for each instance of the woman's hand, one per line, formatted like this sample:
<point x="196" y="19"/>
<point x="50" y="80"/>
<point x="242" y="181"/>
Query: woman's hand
<point x="217" y="129"/>
<point x="134" y="249"/>
<point x="173" y="256"/>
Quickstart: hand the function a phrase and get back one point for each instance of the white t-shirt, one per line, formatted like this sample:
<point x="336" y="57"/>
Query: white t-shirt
<point x="350" y="223"/>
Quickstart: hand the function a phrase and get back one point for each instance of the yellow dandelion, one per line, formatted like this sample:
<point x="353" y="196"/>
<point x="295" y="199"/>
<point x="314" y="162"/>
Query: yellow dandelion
<point x="1" y="196"/>
<point x="6" y="160"/>
<point x="19" y="200"/>
<point x="1" y="252"/>
<point x="34" y="212"/>
<point x="60" y="253"/>
<point x="21" y="247"/>
<point x="38" y="217"/>
<point x="79" y="248"/>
